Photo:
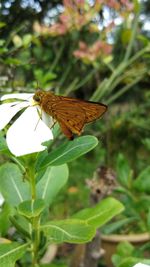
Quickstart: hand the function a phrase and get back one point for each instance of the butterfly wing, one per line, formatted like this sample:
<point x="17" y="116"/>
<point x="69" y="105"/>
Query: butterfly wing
<point x="71" y="113"/>
<point x="93" y="110"/>
<point x="70" y="117"/>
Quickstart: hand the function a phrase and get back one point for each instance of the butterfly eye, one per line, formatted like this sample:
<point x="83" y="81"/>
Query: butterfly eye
<point x="37" y="98"/>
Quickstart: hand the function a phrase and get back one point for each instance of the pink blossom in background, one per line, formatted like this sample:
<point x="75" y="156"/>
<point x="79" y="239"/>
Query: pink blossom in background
<point x="113" y="4"/>
<point x="91" y="53"/>
<point x="78" y="13"/>
<point x="127" y="4"/>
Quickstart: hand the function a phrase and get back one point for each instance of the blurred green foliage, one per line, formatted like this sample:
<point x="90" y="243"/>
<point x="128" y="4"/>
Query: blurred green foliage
<point x="38" y="42"/>
<point x="95" y="58"/>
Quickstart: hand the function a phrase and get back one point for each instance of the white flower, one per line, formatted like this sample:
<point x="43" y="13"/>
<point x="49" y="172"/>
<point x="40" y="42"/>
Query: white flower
<point x="29" y="131"/>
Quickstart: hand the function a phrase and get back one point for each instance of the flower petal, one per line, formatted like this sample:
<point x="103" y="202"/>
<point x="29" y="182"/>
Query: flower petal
<point x="9" y="110"/>
<point x="21" y="96"/>
<point x="27" y="133"/>
<point x="48" y="120"/>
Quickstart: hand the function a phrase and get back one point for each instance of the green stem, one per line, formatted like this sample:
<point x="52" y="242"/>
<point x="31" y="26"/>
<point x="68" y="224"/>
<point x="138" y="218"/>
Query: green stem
<point x="33" y="188"/>
<point x="35" y="239"/>
<point x="58" y="55"/>
<point x="124" y="89"/>
<point x="96" y="95"/>
<point x="139" y="54"/>
<point x="63" y="78"/>
<point x="71" y="86"/>
<point x="108" y="84"/>
<point x="133" y="36"/>
<point x="86" y="79"/>
<point x="34" y="222"/>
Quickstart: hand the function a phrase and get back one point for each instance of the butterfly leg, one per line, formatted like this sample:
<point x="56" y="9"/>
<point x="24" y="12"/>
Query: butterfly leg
<point x="53" y="124"/>
<point x="66" y="130"/>
<point x="40" y="118"/>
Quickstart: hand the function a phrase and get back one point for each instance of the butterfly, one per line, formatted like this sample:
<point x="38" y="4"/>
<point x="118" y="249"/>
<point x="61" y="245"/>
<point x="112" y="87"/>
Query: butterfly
<point x="72" y="114"/>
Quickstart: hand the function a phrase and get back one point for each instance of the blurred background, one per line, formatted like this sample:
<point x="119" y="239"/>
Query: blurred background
<point x="96" y="50"/>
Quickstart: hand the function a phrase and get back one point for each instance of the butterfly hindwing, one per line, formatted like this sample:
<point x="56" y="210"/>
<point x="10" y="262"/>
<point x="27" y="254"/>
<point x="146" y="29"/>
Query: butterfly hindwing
<point x="72" y="116"/>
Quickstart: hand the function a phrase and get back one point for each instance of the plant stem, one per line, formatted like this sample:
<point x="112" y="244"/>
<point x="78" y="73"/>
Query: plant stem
<point x="133" y="36"/>
<point x="58" y="55"/>
<point x="35" y="221"/>
<point x="124" y="89"/>
<point x="108" y="84"/>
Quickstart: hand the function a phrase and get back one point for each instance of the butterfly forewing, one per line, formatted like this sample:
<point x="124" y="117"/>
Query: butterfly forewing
<point x="71" y="113"/>
<point x="92" y="110"/>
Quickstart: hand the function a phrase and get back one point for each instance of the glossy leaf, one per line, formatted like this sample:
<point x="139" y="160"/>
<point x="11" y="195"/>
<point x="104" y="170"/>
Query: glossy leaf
<point x="31" y="208"/>
<point x="12" y="186"/>
<point x="52" y="181"/>
<point x="69" y="151"/>
<point x="10" y="253"/>
<point x="70" y="230"/>
<point x="101" y="213"/>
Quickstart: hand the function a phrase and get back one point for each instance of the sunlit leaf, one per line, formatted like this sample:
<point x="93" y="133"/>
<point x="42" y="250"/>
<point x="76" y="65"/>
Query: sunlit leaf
<point x="31" y="209"/>
<point x="52" y="181"/>
<point x="69" y="151"/>
<point x="12" y="186"/>
<point x="70" y="230"/>
<point x="9" y="253"/>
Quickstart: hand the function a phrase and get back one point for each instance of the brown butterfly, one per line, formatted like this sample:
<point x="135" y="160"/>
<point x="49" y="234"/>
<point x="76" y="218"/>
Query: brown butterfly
<point x="71" y="113"/>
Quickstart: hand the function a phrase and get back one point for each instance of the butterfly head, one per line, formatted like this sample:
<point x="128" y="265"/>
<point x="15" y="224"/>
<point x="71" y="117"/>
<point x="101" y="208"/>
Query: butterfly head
<point x="38" y="97"/>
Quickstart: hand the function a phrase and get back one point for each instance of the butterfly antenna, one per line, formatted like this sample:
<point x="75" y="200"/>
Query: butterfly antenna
<point x="38" y="87"/>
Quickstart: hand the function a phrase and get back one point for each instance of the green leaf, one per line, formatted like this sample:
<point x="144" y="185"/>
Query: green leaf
<point x="115" y="226"/>
<point x="124" y="256"/>
<point x="31" y="208"/>
<point x="125" y="249"/>
<point x="4" y="219"/>
<point x="131" y="261"/>
<point x="25" y="231"/>
<point x="123" y="171"/>
<point x="52" y="181"/>
<point x="101" y="213"/>
<point x="142" y="182"/>
<point x="70" y="230"/>
<point x="12" y="186"/>
<point x="69" y="151"/>
<point x="10" y="253"/>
